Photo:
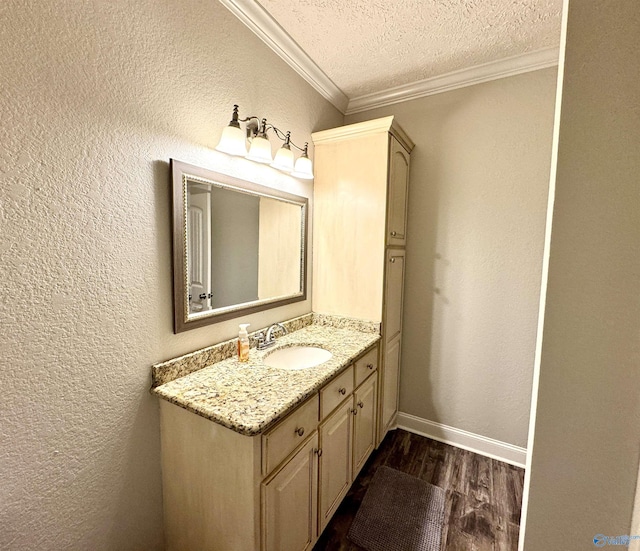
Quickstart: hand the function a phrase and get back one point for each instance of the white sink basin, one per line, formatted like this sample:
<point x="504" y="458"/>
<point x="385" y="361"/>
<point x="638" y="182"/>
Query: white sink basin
<point x="297" y="357"/>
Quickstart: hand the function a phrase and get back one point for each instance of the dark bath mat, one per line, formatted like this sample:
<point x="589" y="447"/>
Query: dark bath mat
<point x="399" y="513"/>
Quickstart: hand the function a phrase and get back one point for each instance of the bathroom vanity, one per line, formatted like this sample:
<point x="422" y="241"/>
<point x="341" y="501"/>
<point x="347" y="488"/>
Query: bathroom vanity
<point x="259" y="458"/>
<point x="256" y="457"/>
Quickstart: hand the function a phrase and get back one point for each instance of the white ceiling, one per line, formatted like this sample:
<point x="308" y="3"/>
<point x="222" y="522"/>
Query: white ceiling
<point x="362" y="48"/>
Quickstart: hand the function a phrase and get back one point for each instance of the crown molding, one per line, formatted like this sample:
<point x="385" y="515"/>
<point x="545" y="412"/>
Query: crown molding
<point x="384" y="124"/>
<point x="532" y="61"/>
<point x="265" y="27"/>
<point x="258" y="20"/>
<point x="352" y="130"/>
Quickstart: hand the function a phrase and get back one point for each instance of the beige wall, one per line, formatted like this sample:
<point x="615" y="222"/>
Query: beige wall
<point x="95" y="97"/>
<point x="583" y="466"/>
<point x="477" y="203"/>
<point x="635" y="518"/>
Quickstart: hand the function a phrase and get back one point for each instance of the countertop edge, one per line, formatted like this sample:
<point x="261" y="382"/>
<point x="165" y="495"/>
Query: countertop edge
<point x="271" y="420"/>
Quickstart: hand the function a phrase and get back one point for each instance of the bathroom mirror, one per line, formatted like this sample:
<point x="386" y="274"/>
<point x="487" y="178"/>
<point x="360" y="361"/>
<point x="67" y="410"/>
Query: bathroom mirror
<point x="238" y="247"/>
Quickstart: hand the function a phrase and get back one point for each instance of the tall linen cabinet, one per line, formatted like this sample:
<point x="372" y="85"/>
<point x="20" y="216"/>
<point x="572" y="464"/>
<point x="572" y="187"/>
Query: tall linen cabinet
<point x="359" y="236"/>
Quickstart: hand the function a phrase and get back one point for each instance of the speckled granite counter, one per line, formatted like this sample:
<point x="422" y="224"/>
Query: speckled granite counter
<point x="250" y="397"/>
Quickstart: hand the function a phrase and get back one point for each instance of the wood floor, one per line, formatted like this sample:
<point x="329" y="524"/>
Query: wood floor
<point x="484" y="496"/>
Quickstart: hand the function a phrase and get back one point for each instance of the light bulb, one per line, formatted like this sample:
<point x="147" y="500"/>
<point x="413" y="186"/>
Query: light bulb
<point x="284" y="159"/>
<point x="260" y="150"/>
<point x="232" y="141"/>
<point x="303" y="168"/>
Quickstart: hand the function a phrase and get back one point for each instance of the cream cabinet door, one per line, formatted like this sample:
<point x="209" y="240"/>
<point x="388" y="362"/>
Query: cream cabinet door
<point x="335" y="461"/>
<point x="392" y="335"/>
<point x="398" y="193"/>
<point x="364" y="426"/>
<point x="289" y="503"/>
<point x="390" y="382"/>
<point x="393" y="296"/>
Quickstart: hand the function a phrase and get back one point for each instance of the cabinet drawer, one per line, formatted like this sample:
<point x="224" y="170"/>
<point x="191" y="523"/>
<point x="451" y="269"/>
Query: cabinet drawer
<point x="366" y="365"/>
<point x="294" y="429"/>
<point x="334" y="392"/>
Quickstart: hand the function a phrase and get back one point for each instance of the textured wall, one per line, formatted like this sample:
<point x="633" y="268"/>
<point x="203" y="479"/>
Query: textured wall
<point x="477" y="203"/>
<point x="95" y="97"/>
<point x="584" y="462"/>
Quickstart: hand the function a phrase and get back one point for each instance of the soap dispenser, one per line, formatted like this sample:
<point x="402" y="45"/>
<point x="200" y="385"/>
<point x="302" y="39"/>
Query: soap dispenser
<point x="243" y="343"/>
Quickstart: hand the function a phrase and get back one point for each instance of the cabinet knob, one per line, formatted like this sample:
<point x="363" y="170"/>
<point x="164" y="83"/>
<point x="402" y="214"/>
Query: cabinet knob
<point x="392" y="260"/>
<point x="393" y="234"/>
<point x="370" y="366"/>
<point x="318" y="452"/>
<point x="360" y="405"/>
<point x="354" y="411"/>
<point x="342" y="391"/>
<point x="300" y="431"/>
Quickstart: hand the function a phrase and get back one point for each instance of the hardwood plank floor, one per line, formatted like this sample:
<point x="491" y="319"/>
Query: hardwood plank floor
<point x="483" y="496"/>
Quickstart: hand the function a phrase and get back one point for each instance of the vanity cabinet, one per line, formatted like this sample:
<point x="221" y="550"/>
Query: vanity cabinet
<point x="274" y="491"/>
<point x="364" y="423"/>
<point x="398" y="194"/>
<point x="336" y="391"/>
<point x="359" y="235"/>
<point x="347" y="438"/>
<point x="288" y="434"/>
<point x="336" y="434"/>
<point x="392" y="336"/>
<point x="289" y="499"/>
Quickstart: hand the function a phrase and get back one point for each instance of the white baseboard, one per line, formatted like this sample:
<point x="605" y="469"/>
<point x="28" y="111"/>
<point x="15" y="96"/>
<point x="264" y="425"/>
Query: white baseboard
<point x="514" y="455"/>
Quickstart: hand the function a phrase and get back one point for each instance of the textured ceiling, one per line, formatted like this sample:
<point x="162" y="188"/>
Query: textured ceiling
<point x="367" y="46"/>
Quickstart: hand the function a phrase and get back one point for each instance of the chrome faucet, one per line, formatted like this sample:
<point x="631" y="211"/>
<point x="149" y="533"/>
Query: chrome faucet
<point x="265" y="341"/>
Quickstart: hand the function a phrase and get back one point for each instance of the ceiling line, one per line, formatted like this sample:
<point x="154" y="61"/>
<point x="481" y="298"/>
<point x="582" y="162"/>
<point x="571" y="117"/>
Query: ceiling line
<point x="506" y="67"/>
<point x="265" y="27"/>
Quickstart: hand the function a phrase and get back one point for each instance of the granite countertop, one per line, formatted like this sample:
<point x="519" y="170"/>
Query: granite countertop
<point x="250" y="397"/>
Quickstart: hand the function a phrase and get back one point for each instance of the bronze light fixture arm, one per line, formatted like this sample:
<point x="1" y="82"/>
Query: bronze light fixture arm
<point x="256" y="130"/>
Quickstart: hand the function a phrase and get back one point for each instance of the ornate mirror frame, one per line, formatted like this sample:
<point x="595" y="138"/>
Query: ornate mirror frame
<point x="181" y="174"/>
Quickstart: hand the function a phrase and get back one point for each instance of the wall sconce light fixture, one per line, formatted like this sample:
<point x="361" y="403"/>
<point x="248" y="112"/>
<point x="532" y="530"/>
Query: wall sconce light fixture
<point x="234" y="142"/>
